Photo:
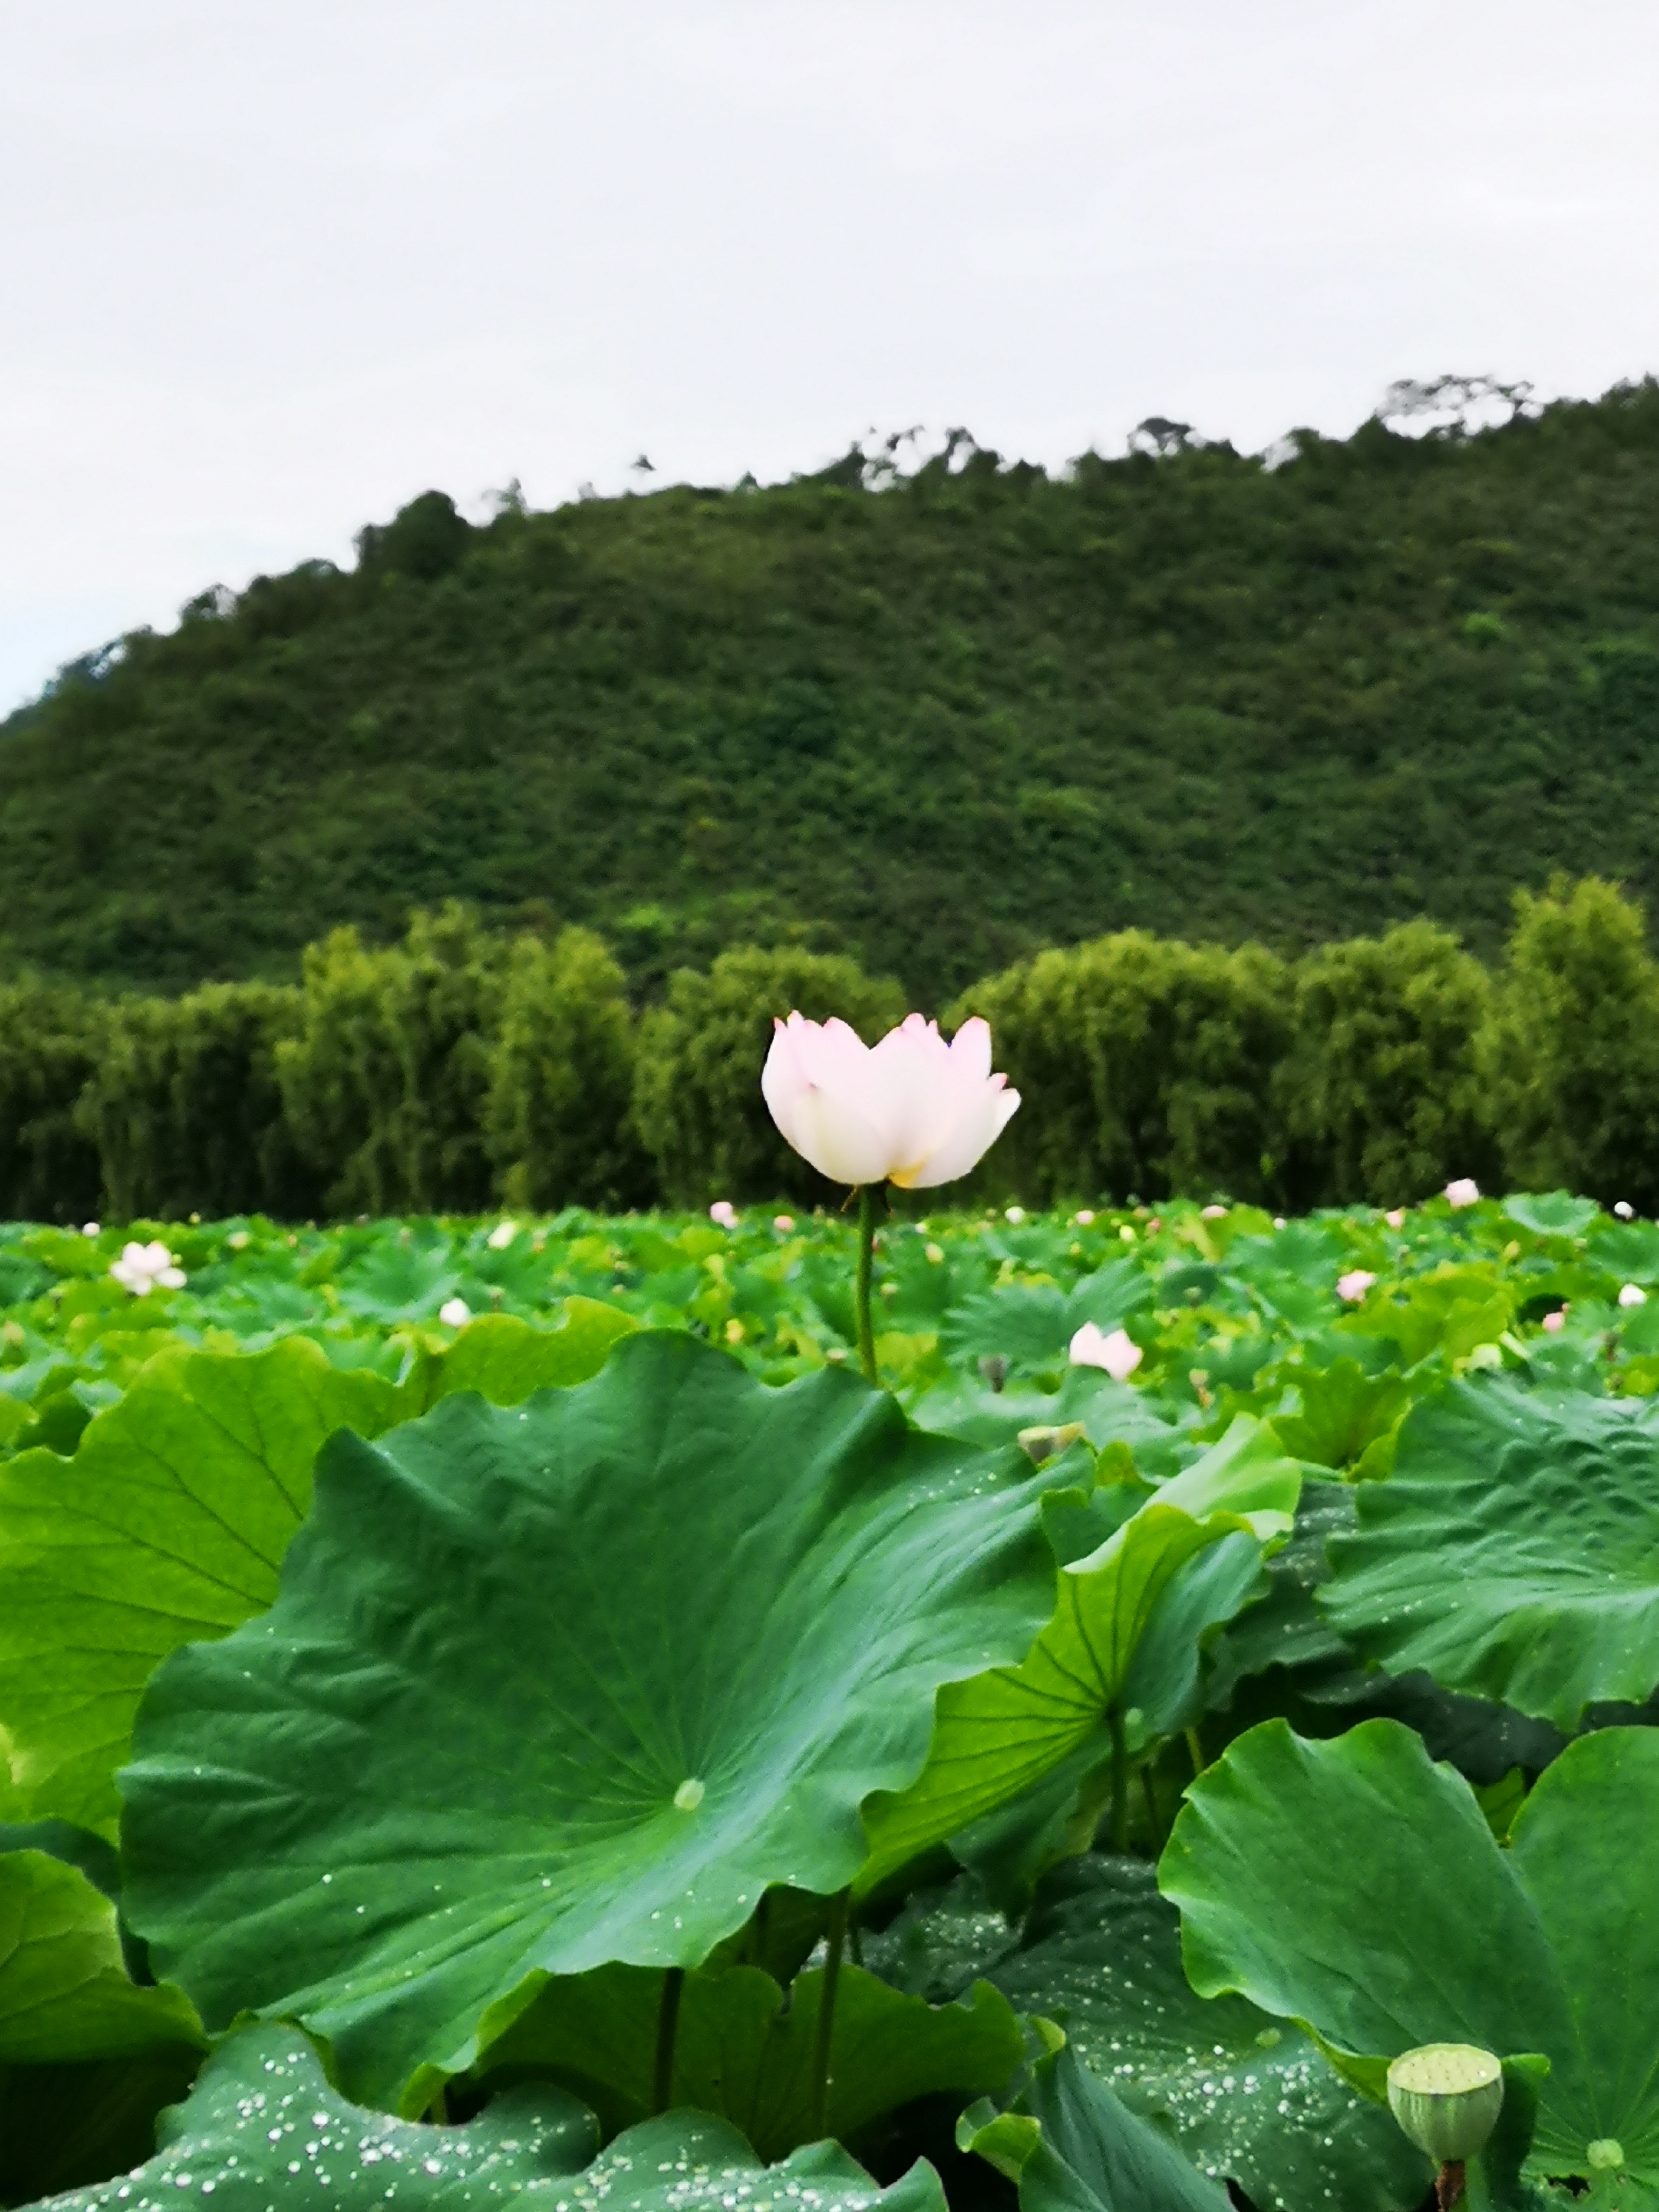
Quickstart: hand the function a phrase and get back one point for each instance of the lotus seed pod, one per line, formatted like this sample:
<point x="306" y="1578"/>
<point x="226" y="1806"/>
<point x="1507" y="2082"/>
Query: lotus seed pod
<point x="1446" y="2097"/>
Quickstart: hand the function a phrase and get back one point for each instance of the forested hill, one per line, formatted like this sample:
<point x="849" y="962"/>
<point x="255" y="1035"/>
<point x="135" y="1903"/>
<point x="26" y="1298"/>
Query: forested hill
<point x="938" y="723"/>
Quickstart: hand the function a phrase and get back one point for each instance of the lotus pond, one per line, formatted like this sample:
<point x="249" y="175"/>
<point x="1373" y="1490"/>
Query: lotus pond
<point x="503" y="1710"/>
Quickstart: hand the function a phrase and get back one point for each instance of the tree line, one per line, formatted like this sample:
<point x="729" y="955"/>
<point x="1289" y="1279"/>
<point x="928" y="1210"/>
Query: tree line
<point x="464" y="1068"/>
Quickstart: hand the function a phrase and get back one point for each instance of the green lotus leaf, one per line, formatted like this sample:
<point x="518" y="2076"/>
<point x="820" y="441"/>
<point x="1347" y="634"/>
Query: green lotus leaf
<point x="169" y="1525"/>
<point x="1074" y="2146"/>
<point x="507" y="1360"/>
<point x="1247" y="2098"/>
<point x="1552" y="1212"/>
<point x="550" y="1689"/>
<point x="1343" y="1412"/>
<point x="1510" y="1554"/>
<point x="263" y="2132"/>
<point x="65" y="1992"/>
<point x="1127" y="1635"/>
<point x="744" y="2051"/>
<point x="1434" y="1933"/>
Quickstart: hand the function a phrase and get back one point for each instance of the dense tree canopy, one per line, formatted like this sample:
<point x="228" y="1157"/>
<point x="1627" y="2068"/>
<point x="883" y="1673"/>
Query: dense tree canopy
<point x="934" y="722"/>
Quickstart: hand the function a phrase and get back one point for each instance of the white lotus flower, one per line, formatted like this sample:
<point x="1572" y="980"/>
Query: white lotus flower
<point x="143" y="1268"/>
<point x="723" y="1211"/>
<point x="1118" y="1353"/>
<point x="910" y="1110"/>
<point x="502" y="1236"/>
<point x="1463" y="1190"/>
<point x="1353" y="1286"/>
<point x="1395" y="1216"/>
<point x="455" y="1312"/>
<point x="1623" y="1209"/>
<point x="1633" y="1295"/>
<point x="90" y="1229"/>
<point x="1015" y="1215"/>
<point x="1213" y="1213"/>
<point x="1083" y="1218"/>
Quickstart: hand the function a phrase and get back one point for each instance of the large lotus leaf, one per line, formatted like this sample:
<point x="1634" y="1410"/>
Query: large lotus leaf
<point x="744" y="2051"/>
<point x="549" y="1689"/>
<point x="1126" y="1635"/>
<point x="1244" y="1472"/>
<point x="168" y="1524"/>
<point x="1511" y="1553"/>
<point x="1552" y="1212"/>
<point x="1248" y="2099"/>
<point x="65" y="1992"/>
<point x="507" y="1360"/>
<point x="1431" y="1932"/>
<point x="263" y="2132"/>
<point x="1073" y="2146"/>
<point x="1344" y="1410"/>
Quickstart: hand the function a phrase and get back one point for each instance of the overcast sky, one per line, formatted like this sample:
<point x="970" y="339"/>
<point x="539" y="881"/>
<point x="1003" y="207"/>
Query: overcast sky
<point x="267" y="272"/>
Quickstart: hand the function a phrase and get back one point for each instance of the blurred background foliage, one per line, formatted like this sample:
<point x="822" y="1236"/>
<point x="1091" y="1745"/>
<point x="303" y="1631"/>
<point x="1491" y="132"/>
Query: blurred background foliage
<point x="462" y="1066"/>
<point x="932" y="722"/>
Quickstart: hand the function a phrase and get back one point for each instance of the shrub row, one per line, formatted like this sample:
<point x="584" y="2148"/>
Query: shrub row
<point x="461" y="1068"/>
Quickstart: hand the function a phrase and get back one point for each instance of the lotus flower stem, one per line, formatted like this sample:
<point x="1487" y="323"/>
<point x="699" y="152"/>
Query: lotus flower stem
<point x="1195" y="1752"/>
<point x="868" y="1193"/>
<point x="668" y="2021"/>
<point x="1449" y="2184"/>
<point x="834" y="1942"/>
<point x="1119" y="1782"/>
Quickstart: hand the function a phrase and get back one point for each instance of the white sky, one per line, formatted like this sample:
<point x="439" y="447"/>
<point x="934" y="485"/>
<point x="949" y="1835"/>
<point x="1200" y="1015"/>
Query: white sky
<point x="268" y="271"/>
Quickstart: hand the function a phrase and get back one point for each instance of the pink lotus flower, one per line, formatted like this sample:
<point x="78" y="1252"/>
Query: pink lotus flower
<point x="1556" y="1322"/>
<point x="723" y="1211"/>
<point x="1395" y="1216"/>
<point x="1118" y="1353"/>
<point x="1463" y="1190"/>
<point x="910" y="1110"/>
<point x="1353" y="1286"/>
<point x="1214" y="1212"/>
<point x="783" y="1223"/>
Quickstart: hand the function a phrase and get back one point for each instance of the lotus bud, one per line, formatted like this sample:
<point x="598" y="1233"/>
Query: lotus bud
<point x="1039" y="1444"/>
<point x="1446" y="2097"/>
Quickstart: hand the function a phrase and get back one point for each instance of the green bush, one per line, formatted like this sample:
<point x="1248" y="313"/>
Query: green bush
<point x="50" y="1042"/>
<point x="1571" y="1055"/>
<point x="1145" y="1065"/>
<point x="559" y="1120"/>
<point x="697" y="1102"/>
<point x="1382" y="1095"/>
<point x="186" y="1110"/>
<point x="387" y="1082"/>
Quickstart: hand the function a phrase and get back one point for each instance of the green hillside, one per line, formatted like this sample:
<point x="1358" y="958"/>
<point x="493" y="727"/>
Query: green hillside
<point x="937" y="723"/>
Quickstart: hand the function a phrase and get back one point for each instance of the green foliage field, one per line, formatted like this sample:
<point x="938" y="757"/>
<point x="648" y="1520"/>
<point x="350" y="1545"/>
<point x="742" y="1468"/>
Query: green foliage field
<point x="495" y="1708"/>
<point x="937" y="726"/>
